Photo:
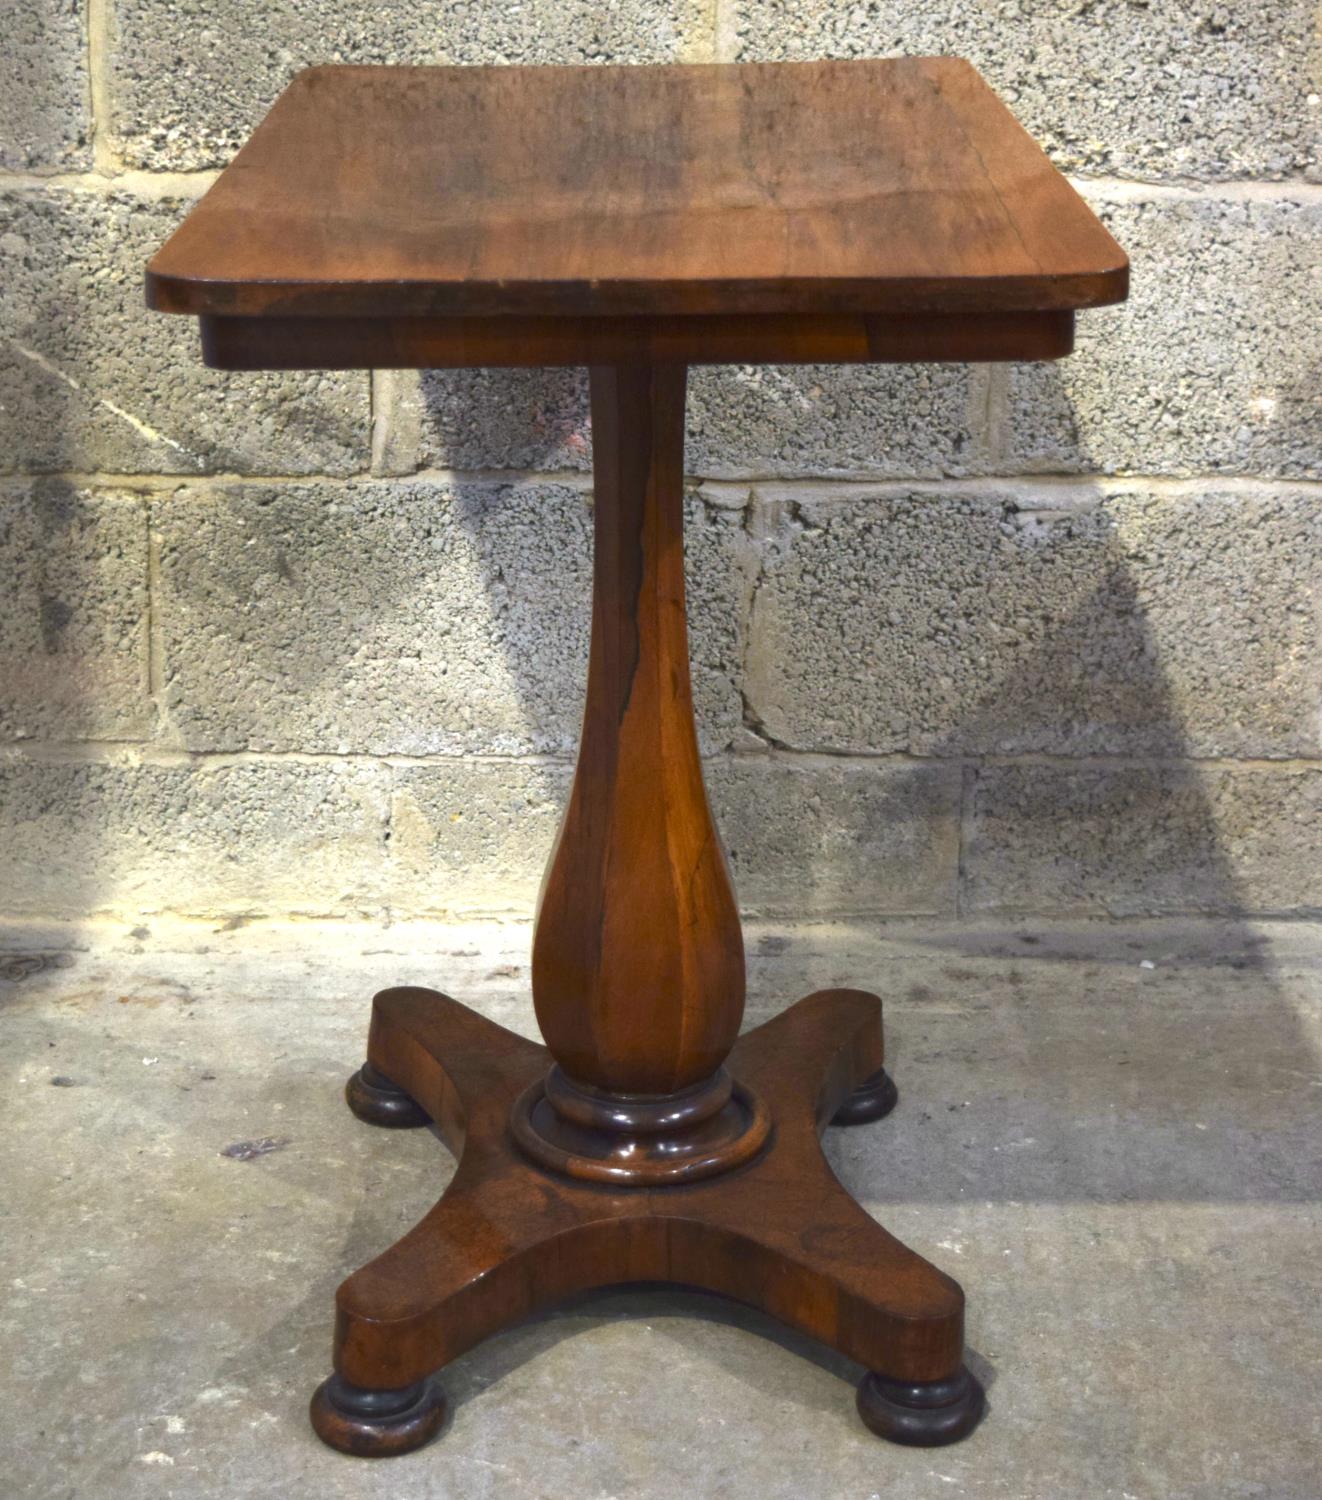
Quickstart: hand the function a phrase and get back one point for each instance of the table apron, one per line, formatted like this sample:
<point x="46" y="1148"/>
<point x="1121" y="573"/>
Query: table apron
<point x="420" y="343"/>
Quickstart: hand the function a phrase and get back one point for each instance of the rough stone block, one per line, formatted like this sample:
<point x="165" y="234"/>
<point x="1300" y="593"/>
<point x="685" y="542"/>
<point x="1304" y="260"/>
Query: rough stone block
<point x="1119" y="840"/>
<point x="1211" y="366"/>
<point x="1141" y="88"/>
<point x="280" y="837"/>
<point x="805" y="838"/>
<point x="73" y="613"/>
<point x="472" y="837"/>
<point x="45" y="105"/>
<point x="817" y="837"/>
<point x="89" y="380"/>
<point x="415" y="618"/>
<point x="533" y="420"/>
<point x="188" y="87"/>
<point x="885" y="421"/>
<point x="1071" y="619"/>
<point x="742" y="421"/>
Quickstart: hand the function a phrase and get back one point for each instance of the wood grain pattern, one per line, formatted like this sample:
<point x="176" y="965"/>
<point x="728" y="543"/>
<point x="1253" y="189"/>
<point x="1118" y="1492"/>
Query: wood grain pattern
<point x="638" y="960"/>
<point x="637" y="220"/>
<point x="902" y="185"/>
<point x="506" y="1239"/>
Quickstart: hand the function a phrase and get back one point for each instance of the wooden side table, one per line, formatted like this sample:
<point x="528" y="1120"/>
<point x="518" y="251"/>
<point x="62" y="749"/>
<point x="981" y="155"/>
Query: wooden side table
<point x="637" y="220"/>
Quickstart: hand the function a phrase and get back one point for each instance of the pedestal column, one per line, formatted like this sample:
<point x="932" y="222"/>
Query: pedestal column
<point x="638" y="959"/>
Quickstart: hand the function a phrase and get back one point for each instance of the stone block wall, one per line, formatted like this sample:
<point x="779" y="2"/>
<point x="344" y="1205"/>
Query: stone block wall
<point x="972" y="641"/>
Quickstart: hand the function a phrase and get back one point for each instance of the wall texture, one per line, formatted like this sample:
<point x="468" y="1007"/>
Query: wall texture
<point x="966" y="640"/>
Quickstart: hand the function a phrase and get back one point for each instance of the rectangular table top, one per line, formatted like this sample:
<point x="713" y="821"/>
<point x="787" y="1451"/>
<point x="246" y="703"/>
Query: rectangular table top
<point x="881" y="187"/>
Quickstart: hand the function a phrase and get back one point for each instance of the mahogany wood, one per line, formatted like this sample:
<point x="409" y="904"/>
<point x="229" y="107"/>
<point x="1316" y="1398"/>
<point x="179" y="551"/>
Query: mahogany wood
<point x="866" y="186"/>
<point x="377" y="1423"/>
<point x="507" y="1239"/>
<point x="873" y="1099"/>
<point x="377" y="1100"/>
<point x="637" y="220"/>
<point x="637" y="958"/>
<point x="285" y="343"/>
<point x="923" y="1414"/>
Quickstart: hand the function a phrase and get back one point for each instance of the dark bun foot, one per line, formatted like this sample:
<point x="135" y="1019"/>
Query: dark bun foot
<point x="923" y="1416"/>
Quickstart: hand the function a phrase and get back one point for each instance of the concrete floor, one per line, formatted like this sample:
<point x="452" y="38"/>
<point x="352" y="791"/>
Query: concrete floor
<point x="1109" y="1134"/>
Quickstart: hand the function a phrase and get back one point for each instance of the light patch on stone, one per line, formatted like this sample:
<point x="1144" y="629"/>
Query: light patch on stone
<point x="136" y="423"/>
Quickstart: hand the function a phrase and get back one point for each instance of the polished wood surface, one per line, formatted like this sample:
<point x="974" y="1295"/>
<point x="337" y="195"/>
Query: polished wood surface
<point x="637" y="220"/>
<point x="507" y="1240"/>
<point x="284" y="343"/>
<point x="643" y="1142"/>
<point x="902" y="185"/>
<point x="637" y="958"/>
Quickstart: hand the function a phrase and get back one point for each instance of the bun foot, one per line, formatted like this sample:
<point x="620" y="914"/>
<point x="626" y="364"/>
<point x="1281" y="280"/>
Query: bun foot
<point x="376" y="1424"/>
<point x="375" y="1100"/>
<point x="921" y="1416"/>
<point x="873" y="1098"/>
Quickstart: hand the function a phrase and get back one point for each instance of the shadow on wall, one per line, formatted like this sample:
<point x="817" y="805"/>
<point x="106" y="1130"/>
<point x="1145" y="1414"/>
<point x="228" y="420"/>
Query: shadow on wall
<point x="1081" y="791"/>
<point x="1098" y="1098"/>
<point x="1130" y="1128"/>
<point x="1059" y="732"/>
<point x="1011" y="642"/>
<point x="95" y="392"/>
